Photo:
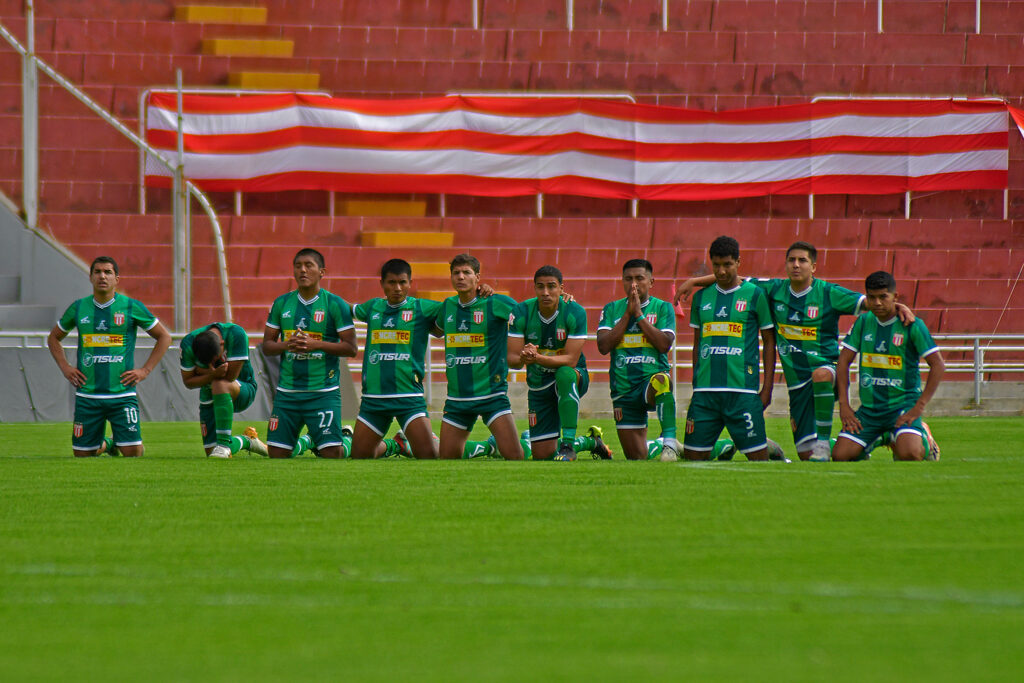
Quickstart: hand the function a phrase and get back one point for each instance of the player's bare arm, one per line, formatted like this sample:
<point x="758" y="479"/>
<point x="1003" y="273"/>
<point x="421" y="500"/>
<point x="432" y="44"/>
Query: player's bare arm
<point x="569" y="357"/>
<point x="163" y="342"/>
<point x="272" y="344"/>
<point x="690" y="286"/>
<point x="936" y="368"/>
<point x="515" y="351"/>
<point x="660" y="339"/>
<point x="846" y="414"/>
<point x="300" y="342"/>
<point x="768" y="353"/>
<point x="70" y="372"/>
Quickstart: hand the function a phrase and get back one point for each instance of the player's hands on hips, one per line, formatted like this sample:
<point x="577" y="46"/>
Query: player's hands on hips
<point x="73" y="375"/>
<point x="633" y="306"/>
<point x="130" y="378"/>
<point x="849" y="419"/>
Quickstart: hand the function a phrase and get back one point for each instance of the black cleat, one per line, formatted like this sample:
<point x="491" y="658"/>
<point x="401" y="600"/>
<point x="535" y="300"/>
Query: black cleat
<point x="565" y="452"/>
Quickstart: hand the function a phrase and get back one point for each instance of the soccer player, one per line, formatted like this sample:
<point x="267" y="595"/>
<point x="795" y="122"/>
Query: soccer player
<point x="638" y="331"/>
<point x="215" y="360"/>
<point x="547" y="335"/>
<point x="310" y="328"/>
<point x="104" y="375"/>
<point x="475" y="331"/>
<point x="806" y="312"/>
<point x="726" y="320"/>
<point x="890" y="378"/>
<point x="397" y="334"/>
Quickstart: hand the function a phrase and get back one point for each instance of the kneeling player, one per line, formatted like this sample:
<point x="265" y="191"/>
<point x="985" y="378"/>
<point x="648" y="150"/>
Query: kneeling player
<point x="726" y="320"/>
<point x="890" y="379"/>
<point x="638" y="332"/>
<point x="546" y="335"/>
<point x="215" y="360"/>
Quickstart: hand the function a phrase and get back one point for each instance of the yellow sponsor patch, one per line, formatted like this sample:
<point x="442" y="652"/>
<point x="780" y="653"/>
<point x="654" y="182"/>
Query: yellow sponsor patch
<point x="882" y="361"/>
<point x="722" y="329"/>
<point x="798" y="333"/>
<point x="462" y="340"/>
<point x="391" y="337"/>
<point x="102" y="340"/>
<point x="634" y="341"/>
<point x="288" y="334"/>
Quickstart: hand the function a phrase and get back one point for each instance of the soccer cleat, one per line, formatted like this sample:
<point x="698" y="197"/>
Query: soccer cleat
<point x="820" y="452"/>
<point x="346" y="431"/>
<point x="255" y="445"/>
<point x="492" y="443"/>
<point x="775" y="452"/>
<point x="933" y="445"/>
<point x="220" y="451"/>
<point x="668" y="454"/>
<point x="601" y="451"/>
<point x="565" y="452"/>
<point x="403" y="444"/>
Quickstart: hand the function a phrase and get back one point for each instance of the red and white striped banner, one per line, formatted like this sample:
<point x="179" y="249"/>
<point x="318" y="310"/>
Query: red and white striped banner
<point x="598" y="148"/>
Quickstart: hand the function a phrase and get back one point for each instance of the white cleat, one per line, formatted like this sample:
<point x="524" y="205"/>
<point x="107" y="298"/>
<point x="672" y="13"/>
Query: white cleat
<point x="255" y="445"/>
<point x="821" y="451"/>
<point x="668" y="454"/>
<point x="220" y="452"/>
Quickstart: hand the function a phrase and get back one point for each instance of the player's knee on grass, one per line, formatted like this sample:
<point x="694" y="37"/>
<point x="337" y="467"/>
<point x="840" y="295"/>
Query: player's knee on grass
<point x="847" y="450"/>
<point x="276" y="452"/>
<point x="634" y="443"/>
<point x="131" y="451"/>
<point x="908" y="446"/>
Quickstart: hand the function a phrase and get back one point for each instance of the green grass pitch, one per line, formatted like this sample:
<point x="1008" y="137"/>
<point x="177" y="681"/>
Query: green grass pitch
<point x="179" y="567"/>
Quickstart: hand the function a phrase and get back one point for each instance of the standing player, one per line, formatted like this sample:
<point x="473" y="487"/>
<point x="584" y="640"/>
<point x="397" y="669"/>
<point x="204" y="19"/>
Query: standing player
<point x="310" y="328"/>
<point x="726" y="320"/>
<point x="104" y="375"/>
<point x="215" y="360"/>
<point x="547" y="336"/>
<point x="890" y="378"/>
<point x="397" y="333"/>
<point x="638" y="331"/>
<point x="476" y="355"/>
<point x="806" y="312"/>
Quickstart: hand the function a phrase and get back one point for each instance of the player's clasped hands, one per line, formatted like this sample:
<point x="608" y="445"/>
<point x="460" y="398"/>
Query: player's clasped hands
<point x="633" y="306"/>
<point x="300" y="342"/>
<point x="529" y="353"/>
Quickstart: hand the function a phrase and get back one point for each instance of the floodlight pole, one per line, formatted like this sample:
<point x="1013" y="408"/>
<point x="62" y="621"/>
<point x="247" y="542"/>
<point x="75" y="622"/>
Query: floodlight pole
<point x="30" y="122"/>
<point x="182" y="248"/>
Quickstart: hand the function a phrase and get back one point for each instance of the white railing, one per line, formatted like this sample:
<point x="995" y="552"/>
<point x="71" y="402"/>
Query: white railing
<point x="980" y="347"/>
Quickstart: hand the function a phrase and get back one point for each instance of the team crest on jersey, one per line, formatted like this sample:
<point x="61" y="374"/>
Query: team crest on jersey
<point x="741" y="305"/>
<point x="318" y="316"/>
<point x="812" y="311"/>
<point x="272" y="423"/>
<point x="478" y="317"/>
<point x="202" y="428"/>
<point x="119" y="319"/>
<point x="78" y="429"/>
<point x="652" y="318"/>
<point x="532" y="419"/>
<point x="897" y="339"/>
<point x="406" y="316"/>
<point x="618" y="414"/>
<point x="560" y="333"/>
<point x="689" y="426"/>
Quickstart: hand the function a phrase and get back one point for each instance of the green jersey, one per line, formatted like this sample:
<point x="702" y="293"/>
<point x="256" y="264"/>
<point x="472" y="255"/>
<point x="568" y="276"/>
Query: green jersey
<point x="727" y="327"/>
<point x="106" y="342"/>
<point x="890" y="353"/>
<point x="807" y="324"/>
<point x="476" y="346"/>
<point x="396" y="344"/>
<point x="236" y="347"/>
<point x="324" y="317"/>
<point x="635" y="359"/>
<point x="548" y="335"/>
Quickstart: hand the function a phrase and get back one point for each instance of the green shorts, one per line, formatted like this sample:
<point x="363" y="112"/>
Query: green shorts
<point x="739" y="412"/>
<point x="92" y="415"/>
<point x="463" y="414"/>
<point x="873" y="423"/>
<point x="543" y="406"/>
<point x="377" y="413"/>
<point x="630" y="408"/>
<point x="319" y="411"/>
<point x="208" y="426"/>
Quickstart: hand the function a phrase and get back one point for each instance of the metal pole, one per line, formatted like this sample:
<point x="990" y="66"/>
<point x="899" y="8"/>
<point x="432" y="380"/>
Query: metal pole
<point x="569" y="14"/>
<point x="977" y="16"/>
<point x="181" y="250"/>
<point x="30" y="123"/>
<point x="664" y="15"/>
<point x="906" y="206"/>
<point x="978" y="365"/>
<point x="476" y="13"/>
<point x="540" y="205"/>
<point x="879" y="16"/>
<point x="810" y="206"/>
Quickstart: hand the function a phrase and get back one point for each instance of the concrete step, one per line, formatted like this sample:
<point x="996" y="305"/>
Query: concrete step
<point x="248" y="47"/>
<point x="274" y="80"/>
<point x="10" y="289"/>
<point x="27" y="317"/>
<point x="220" y="14"/>
<point x="398" y="238"/>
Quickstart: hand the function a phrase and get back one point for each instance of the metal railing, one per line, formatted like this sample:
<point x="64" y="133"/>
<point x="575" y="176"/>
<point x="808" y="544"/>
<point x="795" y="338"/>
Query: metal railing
<point x="182" y="187"/>
<point x="979" y="347"/>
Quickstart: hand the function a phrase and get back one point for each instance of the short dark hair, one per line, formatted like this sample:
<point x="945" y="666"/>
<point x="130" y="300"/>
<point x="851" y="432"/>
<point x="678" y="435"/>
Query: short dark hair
<point x="805" y="246"/>
<point x="465" y="260"/>
<point x="724" y="246"/>
<point x="206" y="346"/>
<point x="638" y="263"/>
<point x="395" y="266"/>
<point x="880" y="279"/>
<point x="317" y="256"/>
<point x="548" y="271"/>
<point x="104" y="259"/>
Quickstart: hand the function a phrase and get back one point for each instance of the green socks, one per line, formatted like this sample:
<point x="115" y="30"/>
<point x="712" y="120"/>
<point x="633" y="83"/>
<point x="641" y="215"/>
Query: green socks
<point x="238" y="443"/>
<point x="568" y="401"/>
<point x="584" y="443"/>
<point x="665" y="404"/>
<point x="478" y="449"/>
<point x="223" y="416"/>
<point x="302" y="445"/>
<point x="824" y="406"/>
<point x="654" y="448"/>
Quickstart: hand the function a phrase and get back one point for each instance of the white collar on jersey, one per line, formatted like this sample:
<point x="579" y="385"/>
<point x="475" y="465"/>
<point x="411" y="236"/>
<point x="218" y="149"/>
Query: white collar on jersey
<point x="729" y="291"/>
<point x="303" y="301"/>
<point x="97" y="304"/>
<point x="467" y="305"/>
